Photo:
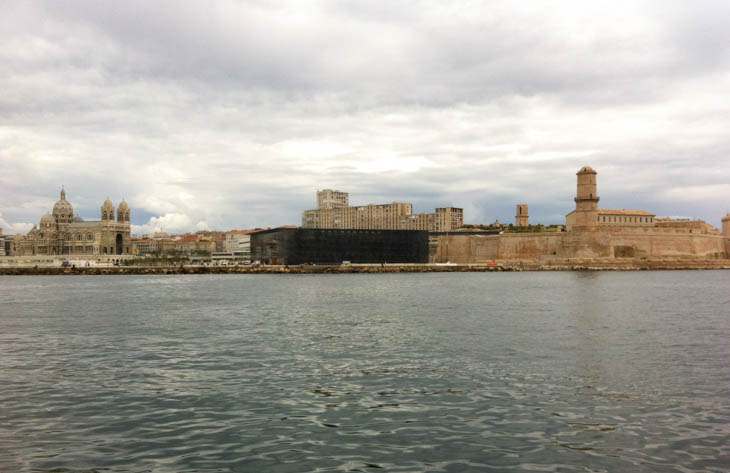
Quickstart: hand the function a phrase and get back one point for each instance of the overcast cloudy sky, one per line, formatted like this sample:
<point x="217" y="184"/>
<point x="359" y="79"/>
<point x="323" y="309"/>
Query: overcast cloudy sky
<point x="231" y="114"/>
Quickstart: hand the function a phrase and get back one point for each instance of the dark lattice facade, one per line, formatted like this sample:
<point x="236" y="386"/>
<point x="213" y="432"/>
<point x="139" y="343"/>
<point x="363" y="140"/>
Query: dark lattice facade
<point x="322" y="246"/>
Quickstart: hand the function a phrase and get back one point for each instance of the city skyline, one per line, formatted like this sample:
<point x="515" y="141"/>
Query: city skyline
<point x="233" y="119"/>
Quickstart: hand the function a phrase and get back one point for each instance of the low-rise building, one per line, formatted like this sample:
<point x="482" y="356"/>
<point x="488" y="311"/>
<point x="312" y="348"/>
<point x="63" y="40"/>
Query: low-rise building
<point x="154" y="246"/>
<point x="335" y="246"/>
<point x="616" y="218"/>
<point x="625" y="218"/>
<point x="195" y="244"/>
<point x="238" y="242"/>
<point x="686" y="225"/>
<point x="145" y="246"/>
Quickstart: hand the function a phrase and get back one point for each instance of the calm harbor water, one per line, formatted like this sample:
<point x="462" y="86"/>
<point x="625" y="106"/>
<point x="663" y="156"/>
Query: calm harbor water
<point x="564" y="371"/>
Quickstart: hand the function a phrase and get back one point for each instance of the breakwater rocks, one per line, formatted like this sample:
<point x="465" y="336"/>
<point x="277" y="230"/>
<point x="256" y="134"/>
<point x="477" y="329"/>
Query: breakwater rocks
<point x="582" y="265"/>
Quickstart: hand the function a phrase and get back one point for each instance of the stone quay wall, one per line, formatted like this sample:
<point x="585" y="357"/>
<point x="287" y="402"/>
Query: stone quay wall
<point x="554" y="265"/>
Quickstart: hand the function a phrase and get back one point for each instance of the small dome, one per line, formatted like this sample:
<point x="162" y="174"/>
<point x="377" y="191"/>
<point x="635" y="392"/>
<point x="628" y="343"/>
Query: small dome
<point x="47" y="219"/>
<point x="586" y="169"/>
<point x="123" y="205"/>
<point x="63" y="207"/>
<point x="107" y="204"/>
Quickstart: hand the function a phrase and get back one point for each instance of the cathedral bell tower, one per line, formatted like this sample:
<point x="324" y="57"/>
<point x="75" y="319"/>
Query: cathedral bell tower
<point x="586" y="201"/>
<point x="107" y="211"/>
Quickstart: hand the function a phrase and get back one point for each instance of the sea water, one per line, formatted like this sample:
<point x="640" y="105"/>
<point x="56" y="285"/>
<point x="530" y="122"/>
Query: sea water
<point x="545" y="371"/>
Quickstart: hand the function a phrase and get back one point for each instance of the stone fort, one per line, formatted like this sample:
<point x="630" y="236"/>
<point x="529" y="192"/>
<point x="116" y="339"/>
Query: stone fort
<point x="592" y="233"/>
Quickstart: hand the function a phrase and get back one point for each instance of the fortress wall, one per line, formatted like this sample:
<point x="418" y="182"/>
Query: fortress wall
<point x="662" y="244"/>
<point x="605" y="244"/>
<point x="532" y="246"/>
<point x="467" y="249"/>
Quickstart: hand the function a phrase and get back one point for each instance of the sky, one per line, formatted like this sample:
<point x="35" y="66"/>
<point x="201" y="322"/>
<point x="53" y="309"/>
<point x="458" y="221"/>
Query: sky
<point x="231" y="114"/>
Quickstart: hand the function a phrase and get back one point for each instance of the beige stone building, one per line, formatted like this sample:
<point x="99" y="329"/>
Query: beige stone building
<point x="333" y="212"/>
<point x="64" y="233"/>
<point x="615" y="218"/>
<point x="587" y="215"/>
<point x="685" y="224"/>
<point x="332" y="199"/>
<point x="152" y="246"/>
<point x="145" y="246"/>
<point x="594" y="234"/>
<point x="522" y="219"/>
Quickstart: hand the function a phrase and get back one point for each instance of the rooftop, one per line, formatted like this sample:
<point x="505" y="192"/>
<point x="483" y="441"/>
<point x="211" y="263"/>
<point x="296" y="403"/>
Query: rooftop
<point x="624" y="212"/>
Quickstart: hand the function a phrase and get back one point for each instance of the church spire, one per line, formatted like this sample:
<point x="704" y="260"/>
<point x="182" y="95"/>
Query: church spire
<point x="63" y="194"/>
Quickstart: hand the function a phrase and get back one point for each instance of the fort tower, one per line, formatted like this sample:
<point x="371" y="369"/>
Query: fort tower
<point x="726" y="225"/>
<point x="521" y="217"/>
<point x="586" y="201"/>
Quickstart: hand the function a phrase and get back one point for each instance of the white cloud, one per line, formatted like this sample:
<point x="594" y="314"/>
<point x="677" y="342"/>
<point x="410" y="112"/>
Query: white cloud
<point x="169" y="223"/>
<point x="14" y="228"/>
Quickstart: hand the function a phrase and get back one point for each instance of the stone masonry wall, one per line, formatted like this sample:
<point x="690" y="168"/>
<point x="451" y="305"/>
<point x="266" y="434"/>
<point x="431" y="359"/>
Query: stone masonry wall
<point x="607" y="243"/>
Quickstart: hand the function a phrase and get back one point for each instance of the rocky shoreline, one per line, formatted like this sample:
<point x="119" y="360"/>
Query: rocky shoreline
<point x="582" y="265"/>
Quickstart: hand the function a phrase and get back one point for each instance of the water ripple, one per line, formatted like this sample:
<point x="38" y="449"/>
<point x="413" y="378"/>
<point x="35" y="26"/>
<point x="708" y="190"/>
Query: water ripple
<point x="365" y="373"/>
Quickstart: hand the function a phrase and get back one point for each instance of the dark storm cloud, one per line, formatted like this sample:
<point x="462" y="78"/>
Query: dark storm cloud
<point x="231" y="114"/>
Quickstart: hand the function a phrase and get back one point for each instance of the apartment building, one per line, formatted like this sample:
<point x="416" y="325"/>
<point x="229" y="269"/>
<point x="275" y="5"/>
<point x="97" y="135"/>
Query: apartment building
<point x="332" y="199"/>
<point x="333" y="213"/>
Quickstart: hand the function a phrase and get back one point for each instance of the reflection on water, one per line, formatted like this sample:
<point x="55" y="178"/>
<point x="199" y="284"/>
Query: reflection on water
<point x="398" y="372"/>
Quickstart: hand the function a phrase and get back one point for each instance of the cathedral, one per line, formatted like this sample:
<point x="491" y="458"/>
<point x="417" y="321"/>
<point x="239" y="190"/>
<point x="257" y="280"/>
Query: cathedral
<point x="63" y="233"/>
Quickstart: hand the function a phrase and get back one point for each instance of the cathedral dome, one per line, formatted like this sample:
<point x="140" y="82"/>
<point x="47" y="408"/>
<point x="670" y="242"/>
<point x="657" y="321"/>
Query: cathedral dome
<point x="47" y="219"/>
<point x="107" y="204"/>
<point x="123" y="205"/>
<point x="63" y="208"/>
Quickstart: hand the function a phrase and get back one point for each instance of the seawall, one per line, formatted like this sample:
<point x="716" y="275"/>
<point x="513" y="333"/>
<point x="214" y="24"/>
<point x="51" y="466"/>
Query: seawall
<point x="574" y="265"/>
<point x="604" y="244"/>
